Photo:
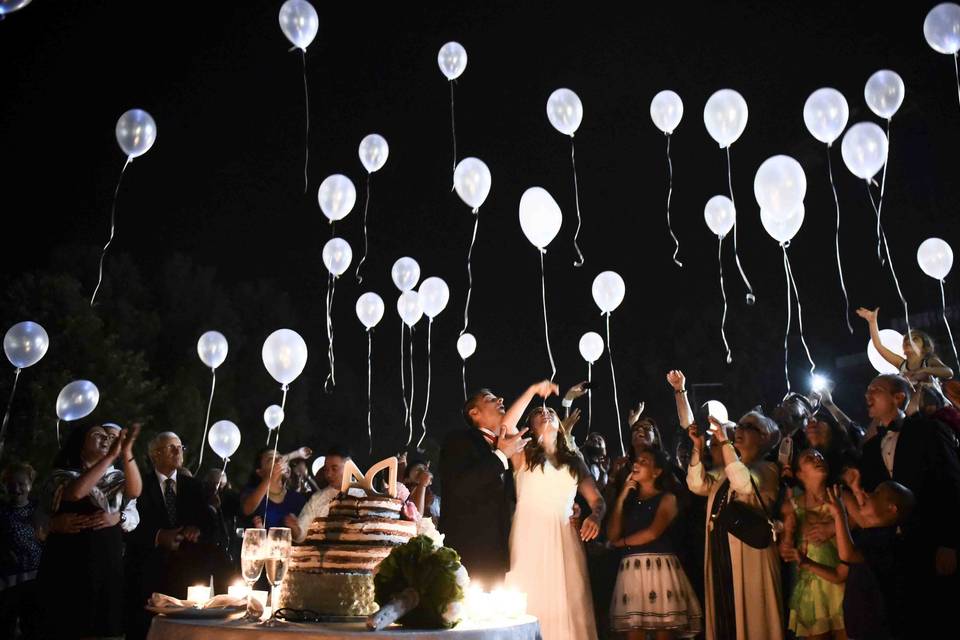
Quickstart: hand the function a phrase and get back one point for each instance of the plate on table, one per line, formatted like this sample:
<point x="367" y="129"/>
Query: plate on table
<point x="199" y="614"/>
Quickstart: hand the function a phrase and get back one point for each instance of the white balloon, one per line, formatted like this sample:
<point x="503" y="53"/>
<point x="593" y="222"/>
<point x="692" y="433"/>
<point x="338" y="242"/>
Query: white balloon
<point x="565" y="111"/>
<point x="892" y="340"/>
<point x="273" y="416"/>
<point x="373" y="152"/>
<point x="781" y="227"/>
<point x="434" y="296"/>
<point x="77" y="400"/>
<point x="299" y="22"/>
<point x="466" y="345"/>
<point x="370" y="309"/>
<point x="591" y="346"/>
<point x="452" y="60"/>
<point x="337" y="255"/>
<point x="826" y="114"/>
<point x="540" y="216"/>
<point x="720" y="215"/>
<point x="9" y="6"/>
<point x="725" y="116"/>
<point x="718" y="410"/>
<point x="336" y="196"/>
<point x="864" y="149"/>
<point x="608" y="291"/>
<point x="212" y="348"/>
<point x="666" y="111"/>
<point x="408" y="306"/>
<point x="472" y="180"/>
<point x="136" y="132"/>
<point x="935" y="257"/>
<point x="884" y="93"/>
<point x="224" y="438"/>
<point x="318" y="464"/>
<point x="941" y="28"/>
<point x="780" y="185"/>
<point x="284" y="355"/>
<point x="405" y="273"/>
<point x="25" y="343"/>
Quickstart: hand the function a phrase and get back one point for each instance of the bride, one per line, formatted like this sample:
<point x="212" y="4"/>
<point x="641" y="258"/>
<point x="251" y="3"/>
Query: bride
<point x="547" y="561"/>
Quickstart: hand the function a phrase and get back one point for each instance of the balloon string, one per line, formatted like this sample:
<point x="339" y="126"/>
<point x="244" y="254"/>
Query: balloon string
<point x="736" y="253"/>
<point x="306" y="134"/>
<point x="453" y="130"/>
<point x="589" y="397"/>
<point x="836" y="200"/>
<point x="269" y="433"/>
<point x="426" y="406"/>
<point x="463" y="373"/>
<point x="206" y="423"/>
<point x="331" y="381"/>
<point x="676" y="242"/>
<point x="283" y="400"/>
<point x="266" y="497"/>
<point x="473" y="240"/>
<point x="6" y="414"/>
<point x="796" y="295"/>
<point x="546" y="329"/>
<point x="943" y="299"/>
<point x="365" y="207"/>
<point x="786" y="333"/>
<point x="883" y="187"/>
<point x="723" y="318"/>
<point x="58" y="432"/>
<point x="613" y="375"/>
<point x="369" y="388"/>
<point x="893" y="272"/>
<point x="576" y="194"/>
<point x="403" y="384"/>
<point x="410" y="419"/>
<point x="956" y="71"/>
<point x="113" y="227"/>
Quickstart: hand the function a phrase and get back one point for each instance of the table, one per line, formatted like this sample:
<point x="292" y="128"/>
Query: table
<point x="163" y="628"/>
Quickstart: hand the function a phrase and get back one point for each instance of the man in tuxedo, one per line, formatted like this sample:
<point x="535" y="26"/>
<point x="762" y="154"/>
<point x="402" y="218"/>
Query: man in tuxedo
<point x="477" y="481"/>
<point x="174" y="545"/>
<point x="915" y="451"/>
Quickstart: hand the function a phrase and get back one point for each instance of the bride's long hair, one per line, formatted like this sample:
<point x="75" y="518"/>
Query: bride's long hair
<point x="567" y="456"/>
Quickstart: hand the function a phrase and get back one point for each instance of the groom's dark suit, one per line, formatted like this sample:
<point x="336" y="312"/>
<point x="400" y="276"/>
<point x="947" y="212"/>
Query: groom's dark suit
<point x="478" y="503"/>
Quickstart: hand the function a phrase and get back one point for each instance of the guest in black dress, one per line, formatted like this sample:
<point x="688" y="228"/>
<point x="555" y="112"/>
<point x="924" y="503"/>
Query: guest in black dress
<point x="81" y="571"/>
<point x="19" y="554"/>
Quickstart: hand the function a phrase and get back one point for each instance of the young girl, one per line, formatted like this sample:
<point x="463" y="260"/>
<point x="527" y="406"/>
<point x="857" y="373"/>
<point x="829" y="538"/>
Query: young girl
<point x="921" y="363"/>
<point x="652" y="594"/>
<point x="816" y="602"/>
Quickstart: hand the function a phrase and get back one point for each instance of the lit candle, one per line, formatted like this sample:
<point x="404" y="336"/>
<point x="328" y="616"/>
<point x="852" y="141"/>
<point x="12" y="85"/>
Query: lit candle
<point x="238" y="590"/>
<point x="198" y="594"/>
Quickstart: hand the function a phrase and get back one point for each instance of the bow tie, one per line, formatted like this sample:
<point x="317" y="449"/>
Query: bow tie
<point x="893" y="427"/>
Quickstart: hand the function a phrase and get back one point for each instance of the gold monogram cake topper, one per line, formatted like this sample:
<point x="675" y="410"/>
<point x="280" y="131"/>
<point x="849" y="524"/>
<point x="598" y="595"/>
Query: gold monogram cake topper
<point x="353" y="478"/>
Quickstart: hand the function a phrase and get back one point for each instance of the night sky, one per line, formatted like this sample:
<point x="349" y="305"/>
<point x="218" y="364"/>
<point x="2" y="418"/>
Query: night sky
<point x="224" y="182"/>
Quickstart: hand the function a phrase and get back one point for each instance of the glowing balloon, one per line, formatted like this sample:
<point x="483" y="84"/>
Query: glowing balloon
<point x="591" y="346"/>
<point x="452" y="60"/>
<point x="318" y="464"/>
<point x="284" y="355"/>
<point x="941" y="28"/>
<point x="9" y="6"/>
<point x="370" y="309"/>
<point x="466" y="345"/>
<point x="666" y="111"/>
<point x="725" y="116"/>
<point x="884" y="93"/>
<point x="77" y="400"/>
<point x="472" y="181"/>
<point x="212" y="349"/>
<point x="136" y="132"/>
<point x="826" y="114"/>
<point x="782" y="228"/>
<point x="935" y="257"/>
<point x="720" y="215"/>
<point x="716" y="409"/>
<point x="405" y="273"/>
<point x="337" y="255"/>
<point x="540" y="216"/>
<point x="780" y="185"/>
<point x="408" y="306"/>
<point x="224" y="438"/>
<point x="373" y="152"/>
<point x="299" y="22"/>
<point x="273" y="416"/>
<point x="864" y="149"/>
<point x="25" y="343"/>
<point x="565" y="111"/>
<point x="608" y="291"/>
<point x="892" y="340"/>
<point x="336" y="196"/>
<point x="434" y="296"/>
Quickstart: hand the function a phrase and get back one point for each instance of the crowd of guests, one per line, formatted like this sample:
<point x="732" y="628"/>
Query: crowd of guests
<point x="796" y="522"/>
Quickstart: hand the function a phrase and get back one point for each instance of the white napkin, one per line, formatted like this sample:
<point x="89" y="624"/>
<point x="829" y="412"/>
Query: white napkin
<point x="163" y="601"/>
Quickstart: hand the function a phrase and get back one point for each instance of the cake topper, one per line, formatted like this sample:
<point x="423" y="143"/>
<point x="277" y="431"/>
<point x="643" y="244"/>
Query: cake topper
<point x="353" y="478"/>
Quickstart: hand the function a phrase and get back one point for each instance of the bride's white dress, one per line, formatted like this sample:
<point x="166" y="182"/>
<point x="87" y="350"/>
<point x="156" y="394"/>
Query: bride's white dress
<point x="547" y="561"/>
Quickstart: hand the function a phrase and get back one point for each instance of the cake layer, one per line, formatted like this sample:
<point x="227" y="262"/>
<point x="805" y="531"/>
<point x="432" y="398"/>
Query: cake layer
<point x="338" y="594"/>
<point x="366" y="507"/>
<point x="373" y="531"/>
<point x="342" y="558"/>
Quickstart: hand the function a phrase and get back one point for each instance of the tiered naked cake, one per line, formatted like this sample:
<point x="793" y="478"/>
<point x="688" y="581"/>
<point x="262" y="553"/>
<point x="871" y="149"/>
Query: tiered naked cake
<point x="332" y="571"/>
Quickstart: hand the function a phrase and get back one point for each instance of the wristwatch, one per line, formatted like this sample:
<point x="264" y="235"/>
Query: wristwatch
<point x="123" y="517"/>
<point x="566" y="402"/>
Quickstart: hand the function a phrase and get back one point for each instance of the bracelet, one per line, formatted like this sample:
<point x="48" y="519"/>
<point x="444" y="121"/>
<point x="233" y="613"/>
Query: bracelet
<point x="131" y="459"/>
<point x="727" y="442"/>
<point x="679" y="391"/>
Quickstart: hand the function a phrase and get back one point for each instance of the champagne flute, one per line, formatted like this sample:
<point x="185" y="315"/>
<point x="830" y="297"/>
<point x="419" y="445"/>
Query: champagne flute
<point x="251" y="561"/>
<point x="276" y="562"/>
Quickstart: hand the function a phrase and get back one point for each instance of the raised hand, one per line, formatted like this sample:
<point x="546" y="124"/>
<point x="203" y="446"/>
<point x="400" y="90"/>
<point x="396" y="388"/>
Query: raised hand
<point x="698" y="439"/>
<point x="545" y="389"/>
<point x="129" y="436"/>
<point x="719" y="430"/>
<point x="634" y="414"/>
<point x="576" y="391"/>
<point x="568" y="423"/>
<point x="868" y="315"/>
<point x="677" y="380"/>
<point x="510" y="445"/>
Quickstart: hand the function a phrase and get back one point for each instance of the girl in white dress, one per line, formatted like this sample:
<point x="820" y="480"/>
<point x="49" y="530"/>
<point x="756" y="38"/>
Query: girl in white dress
<point x="547" y="560"/>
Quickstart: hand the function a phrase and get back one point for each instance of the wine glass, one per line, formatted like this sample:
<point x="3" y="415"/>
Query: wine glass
<point x="251" y="561"/>
<point x="275" y="563"/>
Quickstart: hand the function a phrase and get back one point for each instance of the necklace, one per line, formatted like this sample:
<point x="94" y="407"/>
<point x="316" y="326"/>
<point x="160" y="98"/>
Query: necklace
<point x="279" y="494"/>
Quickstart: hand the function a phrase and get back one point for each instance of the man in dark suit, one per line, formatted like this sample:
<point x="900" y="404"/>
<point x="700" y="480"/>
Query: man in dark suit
<point x="915" y="451"/>
<point x="477" y="480"/>
<point x="172" y="548"/>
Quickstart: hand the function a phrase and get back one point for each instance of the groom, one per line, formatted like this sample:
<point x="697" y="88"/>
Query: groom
<point x="479" y="499"/>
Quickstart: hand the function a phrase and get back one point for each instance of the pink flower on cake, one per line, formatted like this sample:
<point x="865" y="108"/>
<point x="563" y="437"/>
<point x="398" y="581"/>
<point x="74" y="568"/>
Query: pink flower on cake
<point x="410" y="512"/>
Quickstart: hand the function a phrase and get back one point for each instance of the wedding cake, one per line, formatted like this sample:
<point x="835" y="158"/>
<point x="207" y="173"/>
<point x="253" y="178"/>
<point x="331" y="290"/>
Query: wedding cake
<point x="332" y="571"/>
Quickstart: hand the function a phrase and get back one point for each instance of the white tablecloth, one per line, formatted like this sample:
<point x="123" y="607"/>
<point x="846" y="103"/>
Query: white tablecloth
<point x="163" y="628"/>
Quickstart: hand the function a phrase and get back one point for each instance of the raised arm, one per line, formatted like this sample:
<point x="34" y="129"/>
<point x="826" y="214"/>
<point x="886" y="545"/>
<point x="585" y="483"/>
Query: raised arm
<point x="544" y="389"/>
<point x="615" y="522"/>
<point x="678" y="382"/>
<point x="871" y="318"/>
<point x="846" y="550"/>
<point x="698" y="480"/>
<point x="80" y="487"/>
<point x="255" y="498"/>
<point x="133" y="484"/>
